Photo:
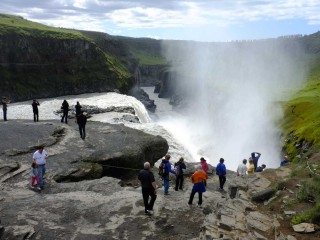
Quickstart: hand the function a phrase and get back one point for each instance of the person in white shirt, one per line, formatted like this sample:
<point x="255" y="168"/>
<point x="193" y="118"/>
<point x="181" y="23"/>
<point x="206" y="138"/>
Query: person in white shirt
<point x="242" y="168"/>
<point x="40" y="157"/>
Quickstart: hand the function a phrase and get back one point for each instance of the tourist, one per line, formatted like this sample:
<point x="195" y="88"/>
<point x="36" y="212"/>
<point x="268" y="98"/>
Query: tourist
<point x="251" y="167"/>
<point x="204" y="166"/>
<point x="198" y="179"/>
<point x="5" y="101"/>
<point x="65" y="110"/>
<point x="166" y="173"/>
<point x="82" y="120"/>
<point x="78" y="109"/>
<point x="40" y="157"/>
<point x="284" y="161"/>
<point x="34" y="175"/>
<point x="221" y="171"/>
<point x="179" y="166"/>
<point x="260" y="169"/>
<point x="255" y="157"/>
<point x="242" y="168"/>
<point x="35" y="109"/>
<point x="149" y="188"/>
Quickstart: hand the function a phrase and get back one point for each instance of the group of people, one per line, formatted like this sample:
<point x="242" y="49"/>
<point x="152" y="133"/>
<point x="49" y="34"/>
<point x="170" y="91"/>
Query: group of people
<point x="81" y="119"/>
<point x="198" y="178"/>
<point x="253" y="167"/>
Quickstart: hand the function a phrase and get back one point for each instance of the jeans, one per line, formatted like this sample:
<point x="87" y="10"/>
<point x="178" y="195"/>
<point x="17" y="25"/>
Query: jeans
<point x="82" y="130"/>
<point x="36" y="116"/>
<point x="222" y="180"/>
<point x="192" y="196"/>
<point x="146" y="192"/>
<point x="179" y="182"/>
<point x="4" y="114"/>
<point x="166" y="185"/>
<point x="65" y="116"/>
<point x="41" y="172"/>
<point x="33" y="179"/>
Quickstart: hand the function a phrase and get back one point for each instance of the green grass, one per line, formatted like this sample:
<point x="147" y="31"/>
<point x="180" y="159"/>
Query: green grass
<point x="146" y="58"/>
<point x="10" y="24"/>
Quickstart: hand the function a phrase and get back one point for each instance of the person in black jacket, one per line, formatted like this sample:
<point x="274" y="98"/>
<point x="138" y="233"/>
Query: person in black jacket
<point x="65" y="110"/>
<point x="78" y="109"/>
<point x="82" y="120"/>
<point x="149" y="188"/>
<point x="179" y="166"/>
<point x="5" y="103"/>
<point x="35" y="109"/>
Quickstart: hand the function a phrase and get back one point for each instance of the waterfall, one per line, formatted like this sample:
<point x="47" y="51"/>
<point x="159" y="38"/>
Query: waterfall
<point x="233" y="92"/>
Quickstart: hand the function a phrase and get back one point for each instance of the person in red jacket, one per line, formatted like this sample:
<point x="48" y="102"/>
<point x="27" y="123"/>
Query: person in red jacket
<point x="205" y="167"/>
<point x="198" y="179"/>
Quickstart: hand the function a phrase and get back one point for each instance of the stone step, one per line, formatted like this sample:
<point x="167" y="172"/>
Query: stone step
<point x="13" y="174"/>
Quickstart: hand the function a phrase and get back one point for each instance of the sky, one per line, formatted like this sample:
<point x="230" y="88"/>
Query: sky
<point x="199" y="20"/>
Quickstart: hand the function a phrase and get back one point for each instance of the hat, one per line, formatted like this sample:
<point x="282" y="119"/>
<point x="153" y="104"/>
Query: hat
<point x="202" y="159"/>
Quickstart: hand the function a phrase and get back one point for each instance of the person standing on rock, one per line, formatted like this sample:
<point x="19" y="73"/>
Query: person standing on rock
<point x="166" y="173"/>
<point x="255" y="157"/>
<point x="35" y="109"/>
<point x="5" y="103"/>
<point x="198" y="179"/>
<point x="149" y="188"/>
<point x="40" y="158"/>
<point x="242" y="168"/>
<point x="221" y="171"/>
<point x="65" y="111"/>
<point x="179" y="166"/>
<point x="204" y="166"/>
<point x="34" y="175"/>
<point x="82" y="120"/>
<point x="78" y="109"/>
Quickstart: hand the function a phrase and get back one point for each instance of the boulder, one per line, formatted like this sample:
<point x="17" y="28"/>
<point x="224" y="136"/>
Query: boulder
<point x="304" y="228"/>
<point x="263" y="195"/>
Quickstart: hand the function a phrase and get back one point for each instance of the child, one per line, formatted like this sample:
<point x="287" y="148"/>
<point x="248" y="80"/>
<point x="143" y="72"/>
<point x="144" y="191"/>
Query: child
<point x="34" y="175"/>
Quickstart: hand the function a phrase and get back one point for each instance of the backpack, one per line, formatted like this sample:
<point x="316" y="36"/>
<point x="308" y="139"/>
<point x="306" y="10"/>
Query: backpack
<point x="162" y="168"/>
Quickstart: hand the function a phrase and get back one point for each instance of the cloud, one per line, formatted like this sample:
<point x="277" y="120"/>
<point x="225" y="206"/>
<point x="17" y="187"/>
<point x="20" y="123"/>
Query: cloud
<point x="139" y="14"/>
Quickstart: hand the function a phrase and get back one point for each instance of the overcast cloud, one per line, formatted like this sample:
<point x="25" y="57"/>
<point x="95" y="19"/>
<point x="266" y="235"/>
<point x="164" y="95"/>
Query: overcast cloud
<point x="120" y="16"/>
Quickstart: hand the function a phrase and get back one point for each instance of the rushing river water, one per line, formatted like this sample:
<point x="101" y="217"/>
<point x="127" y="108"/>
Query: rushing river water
<point x="23" y="110"/>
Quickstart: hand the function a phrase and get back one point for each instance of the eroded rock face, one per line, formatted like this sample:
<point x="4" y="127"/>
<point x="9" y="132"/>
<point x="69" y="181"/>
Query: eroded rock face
<point x="74" y="159"/>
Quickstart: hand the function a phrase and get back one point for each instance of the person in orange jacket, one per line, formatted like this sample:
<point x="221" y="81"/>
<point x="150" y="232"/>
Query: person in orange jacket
<point x="198" y="179"/>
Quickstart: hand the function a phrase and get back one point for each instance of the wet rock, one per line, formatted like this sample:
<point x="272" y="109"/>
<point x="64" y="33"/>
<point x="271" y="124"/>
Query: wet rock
<point x="227" y="222"/>
<point x="263" y="195"/>
<point x="85" y="171"/>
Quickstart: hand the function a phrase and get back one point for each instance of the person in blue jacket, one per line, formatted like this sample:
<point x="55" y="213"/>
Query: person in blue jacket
<point x="221" y="171"/>
<point x="166" y="171"/>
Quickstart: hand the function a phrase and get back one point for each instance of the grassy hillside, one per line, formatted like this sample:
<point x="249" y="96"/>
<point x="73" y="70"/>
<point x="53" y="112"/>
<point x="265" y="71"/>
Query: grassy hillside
<point x="41" y="61"/>
<point x="302" y="133"/>
<point x="14" y="24"/>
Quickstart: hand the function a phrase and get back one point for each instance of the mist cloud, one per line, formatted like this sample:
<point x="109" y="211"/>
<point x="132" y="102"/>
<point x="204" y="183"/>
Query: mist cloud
<point x="234" y="90"/>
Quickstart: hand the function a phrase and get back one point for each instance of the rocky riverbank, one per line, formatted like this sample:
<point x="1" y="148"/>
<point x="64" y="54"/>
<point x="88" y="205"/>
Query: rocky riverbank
<point x="82" y="201"/>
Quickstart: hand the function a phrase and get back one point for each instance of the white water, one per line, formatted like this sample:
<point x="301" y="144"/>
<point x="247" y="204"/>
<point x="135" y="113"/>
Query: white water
<point x="23" y="110"/>
<point x="233" y="92"/>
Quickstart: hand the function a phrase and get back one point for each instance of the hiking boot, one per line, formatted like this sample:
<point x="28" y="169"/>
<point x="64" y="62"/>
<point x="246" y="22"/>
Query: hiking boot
<point x="150" y="211"/>
<point x="147" y="212"/>
<point x="39" y="188"/>
<point x="199" y="205"/>
<point x="166" y="193"/>
<point x="32" y="187"/>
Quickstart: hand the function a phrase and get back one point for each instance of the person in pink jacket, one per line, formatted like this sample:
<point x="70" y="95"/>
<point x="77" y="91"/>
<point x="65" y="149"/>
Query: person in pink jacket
<point x="205" y="167"/>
